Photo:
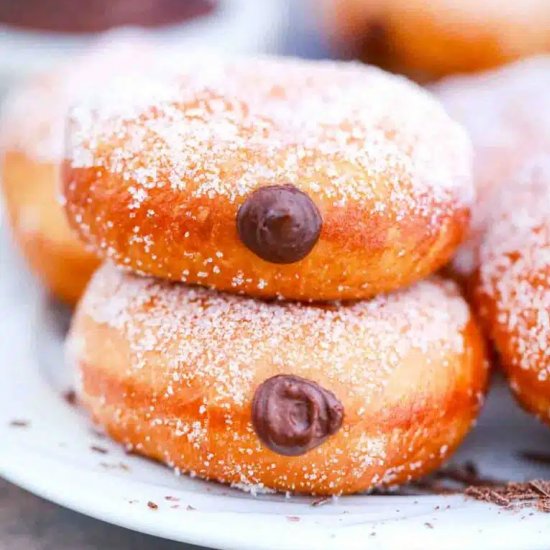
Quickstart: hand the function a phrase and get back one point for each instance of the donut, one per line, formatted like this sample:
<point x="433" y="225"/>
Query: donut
<point x="270" y="177"/>
<point x="505" y="112"/>
<point x="31" y="153"/>
<point x="317" y="398"/>
<point x="30" y="160"/>
<point x="428" y="40"/>
<point x="32" y="150"/>
<point x="512" y="291"/>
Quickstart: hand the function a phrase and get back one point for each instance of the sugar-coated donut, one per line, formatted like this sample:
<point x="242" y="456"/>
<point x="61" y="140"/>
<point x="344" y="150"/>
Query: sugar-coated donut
<point x="31" y="154"/>
<point x="321" y="399"/>
<point x="32" y="139"/>
<point x="32" y="148"/>
<point x="303" y="180"/>
<point x="513" y="283"/>
<point x="427" y="39"/>
<point x="506" y="113"/>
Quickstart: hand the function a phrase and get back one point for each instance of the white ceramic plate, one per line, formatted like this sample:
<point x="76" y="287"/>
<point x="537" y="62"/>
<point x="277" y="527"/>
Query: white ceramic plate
<point x="52" y="456"/>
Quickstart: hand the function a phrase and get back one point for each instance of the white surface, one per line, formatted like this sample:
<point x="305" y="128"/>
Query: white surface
<point x="236" y="26"/>
<point x="52" y="457"/>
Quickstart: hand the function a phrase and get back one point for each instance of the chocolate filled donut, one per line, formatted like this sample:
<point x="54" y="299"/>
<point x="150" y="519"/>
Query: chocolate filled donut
<point x="270" y="177"/>
<point x="319" y="399"/>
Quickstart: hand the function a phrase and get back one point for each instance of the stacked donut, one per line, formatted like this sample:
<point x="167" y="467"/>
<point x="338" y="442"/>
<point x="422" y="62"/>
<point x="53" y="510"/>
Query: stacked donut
<point x="267" y="314"/>
<point x="506" y="261"/>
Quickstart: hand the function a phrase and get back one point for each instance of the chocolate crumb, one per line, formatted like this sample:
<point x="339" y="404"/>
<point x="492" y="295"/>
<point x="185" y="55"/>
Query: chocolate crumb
<point x="542" y="487"/>
<point x="321" y="501"/>
<point x="171" y="498"/>
<point x="152" y="505"/>
<point x="70" y="397"/>
<point x="114" y="466"/>
<point x="293" y="518"/>
<point x="515" y="495"/>
<point x="19" y="424"/>
<point x="98" y="449"/>
<point x="429" y="525"/>
<point x="190" y="508"/>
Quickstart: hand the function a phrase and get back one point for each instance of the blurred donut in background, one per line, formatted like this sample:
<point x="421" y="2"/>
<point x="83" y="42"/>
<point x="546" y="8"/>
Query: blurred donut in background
<point x="512" y="285"/>
<point x="507" y="115"/>
<point x="429" y="39"/>
<point x="32" y="130"/>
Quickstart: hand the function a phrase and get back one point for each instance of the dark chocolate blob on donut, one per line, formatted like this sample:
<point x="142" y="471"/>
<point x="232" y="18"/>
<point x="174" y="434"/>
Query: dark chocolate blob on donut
<point x="279" y="223"/>
<point x="292" y="415"/>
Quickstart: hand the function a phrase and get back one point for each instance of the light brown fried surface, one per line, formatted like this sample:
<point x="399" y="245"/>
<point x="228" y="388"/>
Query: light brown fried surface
<point x="53" y="251"/>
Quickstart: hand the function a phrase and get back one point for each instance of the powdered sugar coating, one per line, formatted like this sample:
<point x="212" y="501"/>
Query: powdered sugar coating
<point x="217" y="127"/>
<point x="197" y="344"/>
<point x="429" y="314"/>
<point x="515" y="266"/>
<point x="507" y="114"/>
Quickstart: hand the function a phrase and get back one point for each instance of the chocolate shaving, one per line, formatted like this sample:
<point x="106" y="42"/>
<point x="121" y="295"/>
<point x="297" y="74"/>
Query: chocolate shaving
<point x="190" y="508"/>
<point x="152" y="505"/>
<point x="293" y="518"/>
<point x="115" y="466"/>
<point x="515" y="495"/>
<point x="70" y="397"/>
<point x="321" y="501"/>
<point x="543" y="487"/>
<point x="19" y="424"/>
<point x="98" y="449"/>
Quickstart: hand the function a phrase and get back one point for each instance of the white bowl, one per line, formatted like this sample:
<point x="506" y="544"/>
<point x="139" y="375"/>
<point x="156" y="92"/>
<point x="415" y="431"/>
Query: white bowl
<point x="235" y="26"/>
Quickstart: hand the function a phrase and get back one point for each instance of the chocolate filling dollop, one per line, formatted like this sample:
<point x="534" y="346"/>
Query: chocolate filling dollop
<point x="292" y="415"/>
<point x="279" y="223"/>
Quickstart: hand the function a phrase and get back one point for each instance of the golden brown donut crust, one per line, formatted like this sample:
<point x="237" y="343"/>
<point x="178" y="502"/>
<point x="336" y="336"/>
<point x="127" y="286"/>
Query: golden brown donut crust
<point x="170" y="371"/>
<point x="428" y="40"/>
<point x="512" y="285"/>
<point x="31" y="192"/>
<point x="156" y="187"/>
